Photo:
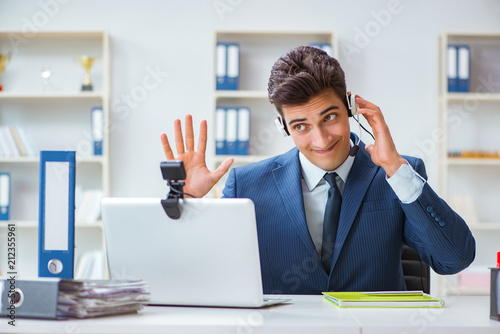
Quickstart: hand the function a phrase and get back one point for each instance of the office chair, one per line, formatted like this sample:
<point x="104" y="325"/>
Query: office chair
<point x="417" y="272"/>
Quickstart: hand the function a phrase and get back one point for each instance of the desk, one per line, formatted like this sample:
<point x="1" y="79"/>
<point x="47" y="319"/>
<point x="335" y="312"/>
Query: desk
<point x="307" y="314"/>
<point x="460" y="314"/>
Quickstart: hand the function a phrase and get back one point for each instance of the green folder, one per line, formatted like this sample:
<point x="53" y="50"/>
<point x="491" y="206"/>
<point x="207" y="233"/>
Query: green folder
<point x="383" y="299"/>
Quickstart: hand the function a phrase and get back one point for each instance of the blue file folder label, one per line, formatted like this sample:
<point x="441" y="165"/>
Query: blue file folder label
<point x="56" y="206"/>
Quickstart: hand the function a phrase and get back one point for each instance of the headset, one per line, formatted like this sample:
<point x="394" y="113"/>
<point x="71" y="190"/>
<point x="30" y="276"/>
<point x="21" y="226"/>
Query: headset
<point x="351" y="112"/>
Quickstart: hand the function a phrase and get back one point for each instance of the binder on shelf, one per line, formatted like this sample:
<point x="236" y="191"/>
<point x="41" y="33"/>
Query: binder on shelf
<point x="97" y="123"/>
<point x="233" y="66"/>
<point x="220" y="131"/>
<point x="220" y="66"/>
<point x="452" y="68"/>
<point x="56" y="228"/>
<point x="4" y="196"/>
<point x="463" y="68"/>
<point x="327" y="47"/>
<point x="232" y="131"/>
<point x="243" y="131"/>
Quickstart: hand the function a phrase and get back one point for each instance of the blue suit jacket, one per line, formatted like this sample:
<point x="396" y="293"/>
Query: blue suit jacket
<point x="372" y="229"/>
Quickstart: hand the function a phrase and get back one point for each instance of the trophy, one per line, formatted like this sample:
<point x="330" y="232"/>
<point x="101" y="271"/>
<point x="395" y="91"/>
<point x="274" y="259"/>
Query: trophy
<point x="86" y="62"/>
<point x="4" y="60"/>
<point x="46" y="75"/>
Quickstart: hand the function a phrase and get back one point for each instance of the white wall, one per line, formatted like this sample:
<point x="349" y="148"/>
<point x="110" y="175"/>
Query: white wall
<point x="396" y="69"/>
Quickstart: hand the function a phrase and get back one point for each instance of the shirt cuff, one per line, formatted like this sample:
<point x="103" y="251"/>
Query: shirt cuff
<point x="406" y="183"/>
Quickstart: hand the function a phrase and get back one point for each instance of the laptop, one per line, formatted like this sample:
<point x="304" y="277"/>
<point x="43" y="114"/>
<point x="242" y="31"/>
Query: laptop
<point x="208" y="257"/>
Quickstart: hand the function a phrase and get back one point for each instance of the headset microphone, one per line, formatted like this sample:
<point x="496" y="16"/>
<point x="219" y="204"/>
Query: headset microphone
<point x="354" y="150"/>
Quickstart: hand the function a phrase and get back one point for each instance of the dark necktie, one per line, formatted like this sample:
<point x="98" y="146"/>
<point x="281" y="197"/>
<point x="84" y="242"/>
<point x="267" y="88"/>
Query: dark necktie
<point x="331" y="221"/>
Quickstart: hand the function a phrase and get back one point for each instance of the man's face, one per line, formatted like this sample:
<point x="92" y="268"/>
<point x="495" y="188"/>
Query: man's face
<point x="320" y="129"/>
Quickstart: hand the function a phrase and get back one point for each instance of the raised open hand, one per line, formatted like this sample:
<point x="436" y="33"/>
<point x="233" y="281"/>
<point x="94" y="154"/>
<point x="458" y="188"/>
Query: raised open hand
<point x="199" y="179"/>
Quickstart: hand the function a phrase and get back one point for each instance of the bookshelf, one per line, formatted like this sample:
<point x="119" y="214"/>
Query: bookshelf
<point x="56" y="114"/>
<point x="468" y="122"/>
<point x="259" y="49"/>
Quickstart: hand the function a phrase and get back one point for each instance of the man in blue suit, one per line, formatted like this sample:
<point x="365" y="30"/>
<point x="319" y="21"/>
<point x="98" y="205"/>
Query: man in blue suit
<point x="384" y="199"/>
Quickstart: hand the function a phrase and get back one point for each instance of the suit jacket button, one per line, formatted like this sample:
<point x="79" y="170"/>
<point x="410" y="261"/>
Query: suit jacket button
<point x="433" y="214"/>
<point x="441" y="223"/>
<point x="438" y="219"/>
<point x="429" y="209"/>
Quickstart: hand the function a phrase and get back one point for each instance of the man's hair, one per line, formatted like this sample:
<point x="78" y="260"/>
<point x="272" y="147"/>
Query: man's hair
<point x="303" y="73"/>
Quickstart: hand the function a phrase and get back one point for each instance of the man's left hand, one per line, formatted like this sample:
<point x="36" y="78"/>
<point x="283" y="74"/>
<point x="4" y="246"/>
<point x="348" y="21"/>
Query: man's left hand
<point x="383" y="152"/>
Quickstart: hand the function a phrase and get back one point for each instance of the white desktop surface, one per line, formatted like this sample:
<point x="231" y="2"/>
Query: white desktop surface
<point x="306" y="314"/>
<point x="460" y="314"/>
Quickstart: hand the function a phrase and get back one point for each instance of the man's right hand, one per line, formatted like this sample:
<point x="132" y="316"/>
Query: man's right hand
<point x="199" y="180"/>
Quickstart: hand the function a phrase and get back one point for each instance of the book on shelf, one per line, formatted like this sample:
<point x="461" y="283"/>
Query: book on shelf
<point x="15" y="141"/>
<point x="388" y="299"/>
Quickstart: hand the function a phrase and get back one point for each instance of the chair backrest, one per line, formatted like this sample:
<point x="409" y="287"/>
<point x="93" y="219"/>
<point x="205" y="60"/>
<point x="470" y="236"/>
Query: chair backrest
<point x="417" y="272"/>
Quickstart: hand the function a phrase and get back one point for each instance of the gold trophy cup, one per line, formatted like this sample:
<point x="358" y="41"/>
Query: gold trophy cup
<point x="86" y="62"/>
<point x="4" y="61"/>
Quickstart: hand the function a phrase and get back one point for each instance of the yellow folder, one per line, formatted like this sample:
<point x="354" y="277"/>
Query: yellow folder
<point x="383" y="299"/>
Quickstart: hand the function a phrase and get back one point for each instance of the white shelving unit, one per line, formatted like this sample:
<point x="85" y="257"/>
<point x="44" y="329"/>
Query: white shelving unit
<point x="258" y="52"/>
<point x="57" y="117"/>
<point x="469" y="121"/>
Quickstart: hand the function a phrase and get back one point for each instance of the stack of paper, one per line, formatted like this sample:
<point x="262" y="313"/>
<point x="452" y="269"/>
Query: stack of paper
<point x="383" y="299"/>
<point x="93" y="298"/>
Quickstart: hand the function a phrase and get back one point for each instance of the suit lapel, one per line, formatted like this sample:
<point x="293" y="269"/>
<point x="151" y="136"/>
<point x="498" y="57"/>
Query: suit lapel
<point x="287" y="178"/>
<point x="360" y="177"/>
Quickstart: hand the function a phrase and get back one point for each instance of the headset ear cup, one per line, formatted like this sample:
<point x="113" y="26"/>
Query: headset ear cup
<point x="353" y="110"/>
<point x="349" y="104"/>
<point x="281" y="127"/>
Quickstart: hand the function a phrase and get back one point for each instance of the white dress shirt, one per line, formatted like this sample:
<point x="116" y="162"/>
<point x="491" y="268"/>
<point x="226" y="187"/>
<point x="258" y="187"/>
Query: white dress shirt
<point x="406" y="183"/>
